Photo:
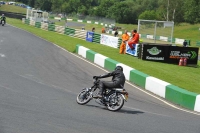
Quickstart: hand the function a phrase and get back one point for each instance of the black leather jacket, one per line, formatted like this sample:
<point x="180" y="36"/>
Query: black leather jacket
<point x="118" y="77"/>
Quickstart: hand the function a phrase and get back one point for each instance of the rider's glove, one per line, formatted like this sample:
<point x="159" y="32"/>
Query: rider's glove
<point x="96" y="77"/>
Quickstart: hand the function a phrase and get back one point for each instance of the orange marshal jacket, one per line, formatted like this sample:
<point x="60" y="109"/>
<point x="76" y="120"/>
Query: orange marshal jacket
<point x="125" y="37"/>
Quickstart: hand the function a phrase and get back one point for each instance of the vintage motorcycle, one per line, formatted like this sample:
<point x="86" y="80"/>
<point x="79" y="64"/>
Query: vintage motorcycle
<point x="2" y="22"/>
<point x="112" y="98"/>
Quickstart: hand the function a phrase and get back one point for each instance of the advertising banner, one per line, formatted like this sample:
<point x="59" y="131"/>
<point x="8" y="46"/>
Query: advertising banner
<point x="155" y="53"/>
<point x="175" y="53"/>
<point x="132" y="52"/>
<point x="89" y="36"/>
<point x="169" y="54"/>
<point x="109" y="41"/>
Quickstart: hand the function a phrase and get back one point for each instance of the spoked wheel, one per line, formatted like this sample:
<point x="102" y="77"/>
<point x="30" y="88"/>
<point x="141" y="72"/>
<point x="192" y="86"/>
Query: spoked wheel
<point x="116" y="102"/>
<point x="83" y="97"/>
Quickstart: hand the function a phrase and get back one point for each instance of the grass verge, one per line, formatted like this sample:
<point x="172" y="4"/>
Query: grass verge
<point x="184" y="77"/>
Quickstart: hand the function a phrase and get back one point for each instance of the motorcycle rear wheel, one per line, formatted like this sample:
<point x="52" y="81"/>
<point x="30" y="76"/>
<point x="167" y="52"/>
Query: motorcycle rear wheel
<point x="116" y="102"/>
<point x="83" y="97"/>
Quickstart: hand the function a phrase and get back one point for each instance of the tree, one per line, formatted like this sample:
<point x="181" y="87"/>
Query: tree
<point x="192" y="11"/>
<point x="149" y="15"/>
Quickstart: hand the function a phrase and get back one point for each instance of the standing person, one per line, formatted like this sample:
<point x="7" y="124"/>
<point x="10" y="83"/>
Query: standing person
<point x="93" y="29"/>
<point x="103" y="30"/>
<point x="134" y="40"/>
<point x="185" y="43"/>
<point x="118" y="80"/>
<point x="125" y="38"/>
<point x="116" y="33"/>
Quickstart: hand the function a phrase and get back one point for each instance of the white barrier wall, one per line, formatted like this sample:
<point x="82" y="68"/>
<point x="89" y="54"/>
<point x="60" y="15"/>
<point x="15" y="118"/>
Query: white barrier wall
<point x="82" y="51"/>
<point x="156" y="86"/>
<point x="197" y="104"/>
<point x="100" y="59"/>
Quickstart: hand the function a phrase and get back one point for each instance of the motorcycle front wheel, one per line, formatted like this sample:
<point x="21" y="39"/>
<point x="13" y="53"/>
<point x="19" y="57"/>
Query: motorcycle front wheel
<point x="83" y="97"/>
<point x="116" y="102"/>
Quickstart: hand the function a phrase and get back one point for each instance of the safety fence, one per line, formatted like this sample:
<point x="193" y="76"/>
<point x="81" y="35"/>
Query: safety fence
<point x="97" y="37"/>
<point x="77" y="33"/>
<point x="143" y="36"/>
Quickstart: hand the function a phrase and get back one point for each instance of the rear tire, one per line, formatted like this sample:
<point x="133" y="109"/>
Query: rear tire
<point x="116" y="102"/>
<point x="83" y="97"/>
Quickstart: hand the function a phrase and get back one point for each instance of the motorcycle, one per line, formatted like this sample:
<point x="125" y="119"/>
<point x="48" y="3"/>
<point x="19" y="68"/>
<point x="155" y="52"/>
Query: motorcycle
<point x="2" y="22"/>
<point x="112" y="98"/>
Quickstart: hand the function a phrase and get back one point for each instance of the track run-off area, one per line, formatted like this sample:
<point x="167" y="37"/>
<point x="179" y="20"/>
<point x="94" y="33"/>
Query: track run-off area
<point x="39" y="83"/>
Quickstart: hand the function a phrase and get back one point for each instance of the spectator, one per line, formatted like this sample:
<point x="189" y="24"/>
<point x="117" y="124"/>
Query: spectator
<point x="125" y="38"/>
<point x="93" y="29"/>
<point x="103" y="30"/>
<point x="134" y="40"/>
<point x="185" y="43"/>
<point x="116" y="33"/>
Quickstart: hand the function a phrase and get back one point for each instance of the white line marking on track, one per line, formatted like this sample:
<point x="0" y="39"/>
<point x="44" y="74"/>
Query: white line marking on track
<point x="156" y="97"/>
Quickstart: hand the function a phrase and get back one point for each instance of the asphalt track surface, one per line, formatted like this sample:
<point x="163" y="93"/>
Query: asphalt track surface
<point x="39" y="83"/>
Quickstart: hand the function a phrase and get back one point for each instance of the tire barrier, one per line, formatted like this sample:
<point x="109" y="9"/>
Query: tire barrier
<point x="119" y="42"/>
<point x="27" y="21"/>
<point x="59" y="29"/>
<point x="37" y="24"/>
<point x="69" y="31"/>
<point x="96" y="38"/>
<point x="51" y="27"/>
<point x="44" y="26"/>
<point x="32" y="23"/>
<point x="80" y="34"/>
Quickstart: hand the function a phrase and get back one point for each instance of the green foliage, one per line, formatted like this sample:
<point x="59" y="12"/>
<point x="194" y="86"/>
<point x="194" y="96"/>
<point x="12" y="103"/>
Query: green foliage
<point x="149" y="15"/>
<point x="125" y="11"/>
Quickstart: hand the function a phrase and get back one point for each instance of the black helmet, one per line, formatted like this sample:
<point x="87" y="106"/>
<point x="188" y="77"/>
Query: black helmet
<point x="119" y="68"/>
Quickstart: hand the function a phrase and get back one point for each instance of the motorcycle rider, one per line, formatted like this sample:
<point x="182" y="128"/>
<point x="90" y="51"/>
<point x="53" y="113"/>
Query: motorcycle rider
<point x="118" y="80"/>
<point x="3" y="18"/>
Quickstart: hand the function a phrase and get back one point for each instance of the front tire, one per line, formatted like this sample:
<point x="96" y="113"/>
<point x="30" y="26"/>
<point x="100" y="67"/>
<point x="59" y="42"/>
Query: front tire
<point x="116" y="102"/>
<point x="83" y="97"/>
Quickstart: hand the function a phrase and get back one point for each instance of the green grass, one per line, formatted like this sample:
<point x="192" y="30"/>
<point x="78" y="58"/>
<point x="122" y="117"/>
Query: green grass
<point x="12" y="8"/>
<point x="184" y="77"/>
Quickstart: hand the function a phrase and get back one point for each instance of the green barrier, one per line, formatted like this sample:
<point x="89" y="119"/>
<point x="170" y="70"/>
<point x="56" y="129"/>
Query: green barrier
<point x="180" y="96"/>
<point x="74" y="19"/>
<point x="37" y="24"/>
<point x="51" y="27"/>
<point x="138" y="78"/>
<point x="157" y="37"/>
<point x="188" y="42"/>
<point x="69" y="31"/>
<point x="63" y="18"/>
<point x="96" y="38"/>
<point x="77" y="47"/>
<point x="110" y="64"/>
<point x="90" y="55"/>
<point x="27" y="21"/>
<point x="169" y="40"/>
<point x="52" y="17"/>
<point x="119" y="42"/>
<point x="143" y="36"/>
<point x="198" y="43"/>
